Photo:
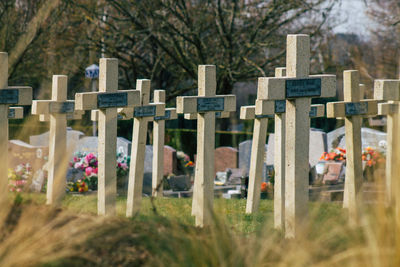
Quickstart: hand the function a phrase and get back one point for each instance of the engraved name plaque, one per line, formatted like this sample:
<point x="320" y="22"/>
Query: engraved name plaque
<point x="11" y="113"/>
<point x="356" y="108"/>
<point x="65" y="107"/>
<point x="165" y="117"/>
<point x="303" y="88"/>
<point x="144" y="111"/>
<point x="111" y="100"/>
<point x="280" y="106"/>
<point x="210" y="104"/>
<point x="313" y="112"/>
<point x="9" y="96"/>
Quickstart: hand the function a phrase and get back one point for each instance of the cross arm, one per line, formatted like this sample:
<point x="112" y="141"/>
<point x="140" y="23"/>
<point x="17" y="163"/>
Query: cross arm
<point x="388" y="108"/>
<point x="15" y="112"/>
<point x="349" y="109"/>
<point x="170" y="114"/>
<point x="17" y="95"/>
<point x="50" y="106"/>
<point x="317" y="110"/>
<point x="76" y="115"/>
<point x="103" y="100"/>
<point x="249" y="113"/>
<point x="149" y="110"/>
<point x="387" y="89"/>
<point x="202" y="104"/>
<point x="279" y="88"/>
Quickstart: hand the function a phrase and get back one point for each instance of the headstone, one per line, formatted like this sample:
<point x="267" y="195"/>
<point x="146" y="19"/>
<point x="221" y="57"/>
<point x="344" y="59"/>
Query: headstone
<point x="205" y="105"/>
<point x="388" y="90"/>
<point x="89" y="144"/>
<point x="369" y="138"/>
<point x="333" y="172"/>
<point x="9" y="95"/>
<point x="179" y="183"/>
<point x="148" y="159"/>
<point x="225" y="157"/>
<point x="37" y="181"/>
<point x="245" y="155"/>
<point x="142" y="114"/>
<point x="297" y="88"/>
<point x="22" y="153"/>
<point x="318" y="145"/>
<point x="73" y="137"/>
<point x="352" y="109"/>
<point x="107" y="100"/>
<point x="57" y="108"/>
<point x="170" y="161"/>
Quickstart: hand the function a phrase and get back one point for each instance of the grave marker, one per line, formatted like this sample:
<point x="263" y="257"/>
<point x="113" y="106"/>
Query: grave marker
<point x="108" y="99"/>
<point x="352" y="109"/>
<point x="56" y="108"/>
<point x="388" y="90"/>
<point x="9" y="95"/>
<point x="297" y="88"/>
<point x="142" y="114"/>
<point x="158" y="143"/>
<point x="205" y="105"/>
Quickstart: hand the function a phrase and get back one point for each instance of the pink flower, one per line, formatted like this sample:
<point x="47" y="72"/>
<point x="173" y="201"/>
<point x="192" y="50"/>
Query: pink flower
<point x="19" y="189"/>
<point x="89" y="171"/>
<point x="77" y="165"/>
<point x="89" y="158"/>
<point x="124" y="166"/>
<point x="119" y="165"/>
<point x="76" y="159"/>
<point x="95" y="170"/>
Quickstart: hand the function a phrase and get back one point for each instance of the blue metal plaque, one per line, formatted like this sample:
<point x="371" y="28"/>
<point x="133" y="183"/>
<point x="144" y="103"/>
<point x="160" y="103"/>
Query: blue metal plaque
<point x="165" y="117"/>
<point x="313" y="112"/>
<point x="280" y="106"/>
<point x="11" y="113"/>
<point x="9" y="96"/>
<point x="210" y="104"/>
<point x="303" y="88"/>
<point x="112" y="100"/>
<point x="360" y="108"/>
<point x="66" y="107"/>
<point x="264" y="116"/>
<point x="92" y="71"/>
<point x="144" y="111"/>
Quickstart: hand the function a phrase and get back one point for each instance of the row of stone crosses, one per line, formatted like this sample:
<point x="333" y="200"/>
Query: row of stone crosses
<point x="286" y="97"/>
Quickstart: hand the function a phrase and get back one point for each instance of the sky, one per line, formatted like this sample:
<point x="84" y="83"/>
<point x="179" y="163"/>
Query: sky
<point x="352" y="16"/>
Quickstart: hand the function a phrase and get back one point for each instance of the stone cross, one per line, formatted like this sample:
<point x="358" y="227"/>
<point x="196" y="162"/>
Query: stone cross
<point x="205" y="105"/>
<point x="352" y="109"/>
<point x="297" y="88"/>
<point x="389" y="90"/>
<point x="262" y="111"/>
<point x="107" y="101"/>
<point x="193" y="116"/>
<point x="9" y="95"/>
<point x="158" y="143"/>
<point x="57" y="108"/>
<point x="249" y="113"/>
<point x="142" y="114"/>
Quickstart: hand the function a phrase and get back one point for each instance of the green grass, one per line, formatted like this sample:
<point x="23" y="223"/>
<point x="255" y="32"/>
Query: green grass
<point x="230" y="211"/>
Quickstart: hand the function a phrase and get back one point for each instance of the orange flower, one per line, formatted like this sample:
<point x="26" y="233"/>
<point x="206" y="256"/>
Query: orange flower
<point x="264" y="187"/>
<point x="342" y="150"/>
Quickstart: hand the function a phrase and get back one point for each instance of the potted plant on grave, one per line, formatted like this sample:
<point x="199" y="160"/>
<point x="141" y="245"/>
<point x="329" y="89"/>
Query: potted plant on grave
<point x="19" y="178"/>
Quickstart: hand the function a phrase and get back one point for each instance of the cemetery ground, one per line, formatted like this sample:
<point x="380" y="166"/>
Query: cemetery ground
<point x="164" y="235"/>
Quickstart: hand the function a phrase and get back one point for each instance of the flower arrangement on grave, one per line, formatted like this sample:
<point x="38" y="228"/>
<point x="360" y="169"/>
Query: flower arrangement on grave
<point x="372" y="157"/>
<point x="18" y="177"/>
<point x="88" y="165"/>
<point x="337" y="154"/>
<point x="267" y="190"/>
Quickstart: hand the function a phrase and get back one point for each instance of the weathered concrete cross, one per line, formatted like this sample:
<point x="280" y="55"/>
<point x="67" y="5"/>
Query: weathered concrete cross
<point x="142" y="114"/>
<point x="352" y="108"/>
<point x="57" y="108"/>
<point x="389" y="90"/>
<point x="205" y="105"/>
<point x="158" y="143"/>
<point x="9" y="95"/>
<point x="107" y="101"/>
<point x="297" y="88"/>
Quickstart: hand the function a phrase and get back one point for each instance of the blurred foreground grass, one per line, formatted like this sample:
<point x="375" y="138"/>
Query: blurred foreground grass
<point x="74" y="236"/>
